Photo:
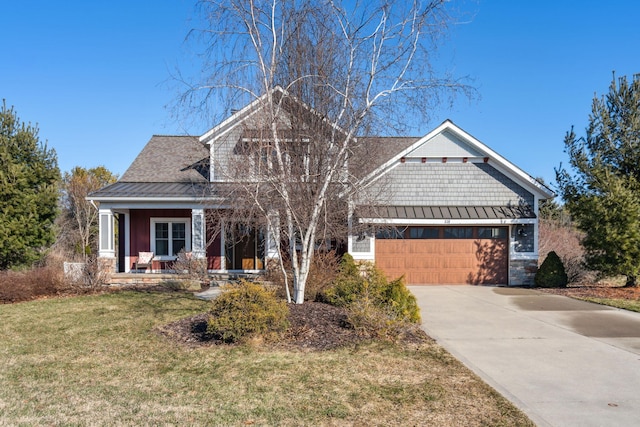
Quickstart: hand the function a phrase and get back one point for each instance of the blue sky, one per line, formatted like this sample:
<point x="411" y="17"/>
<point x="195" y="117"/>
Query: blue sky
<point x="95" y="75"/>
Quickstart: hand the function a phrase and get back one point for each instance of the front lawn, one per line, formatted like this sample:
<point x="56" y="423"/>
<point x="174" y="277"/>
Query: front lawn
<point x="99" y="360"/>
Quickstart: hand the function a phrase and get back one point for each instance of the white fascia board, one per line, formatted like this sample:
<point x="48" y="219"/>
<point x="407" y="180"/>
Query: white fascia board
<point x="167" y="200"/>
<point x="401" y="221"/>
<point x="231" y="122"/>
<point x="235" y="119"/>
<point x="164" y="204"/>
<point x="495" y="159"/>
<point x="504" y="165"/>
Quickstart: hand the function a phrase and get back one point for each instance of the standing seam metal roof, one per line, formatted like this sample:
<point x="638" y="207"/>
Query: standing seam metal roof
<point x="447" y="212"/>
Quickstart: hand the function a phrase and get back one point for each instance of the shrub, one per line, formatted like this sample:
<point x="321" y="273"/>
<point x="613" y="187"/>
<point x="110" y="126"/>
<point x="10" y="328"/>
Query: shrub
<point x="191" y="269"/>
<point x="551" y="273"/>
<point x="323" y="271"/>
<point x="564" y="239"/>
<point x="247" y="310"/>
<point x="365" y="288"/>
<point x="374" y="322"/>
<point x="26" y="285"/>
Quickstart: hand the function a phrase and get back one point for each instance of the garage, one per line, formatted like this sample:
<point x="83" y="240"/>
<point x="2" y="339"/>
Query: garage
<point x="444" y="255"/>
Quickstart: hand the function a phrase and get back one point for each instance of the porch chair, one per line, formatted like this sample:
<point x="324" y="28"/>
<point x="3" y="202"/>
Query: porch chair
<point x="145" y="259"/>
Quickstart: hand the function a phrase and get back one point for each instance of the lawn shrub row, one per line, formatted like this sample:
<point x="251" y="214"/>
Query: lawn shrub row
<point x="17" y="286"/>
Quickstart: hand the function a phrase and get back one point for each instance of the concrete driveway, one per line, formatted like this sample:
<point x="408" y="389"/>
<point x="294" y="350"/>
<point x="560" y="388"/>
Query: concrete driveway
<point x="563" y="362"/>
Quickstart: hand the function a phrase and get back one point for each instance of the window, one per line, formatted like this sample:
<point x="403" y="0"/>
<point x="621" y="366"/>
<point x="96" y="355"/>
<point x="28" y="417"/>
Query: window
<point x="523" y="237"/>
<point x="492" y="232"/>
<point x="458" y="232"/>
<point x="424" y="232"/>
<point x="390" y="233"/>
<point x="170" y="236"/>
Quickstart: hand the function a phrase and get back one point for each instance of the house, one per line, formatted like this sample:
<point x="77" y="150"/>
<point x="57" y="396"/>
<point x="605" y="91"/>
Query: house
<point x="449" y="209"/>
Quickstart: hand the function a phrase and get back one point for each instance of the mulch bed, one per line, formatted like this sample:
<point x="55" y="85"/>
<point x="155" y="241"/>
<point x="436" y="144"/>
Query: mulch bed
<point x="314" y="327"/>
<point x="596" y="291"/>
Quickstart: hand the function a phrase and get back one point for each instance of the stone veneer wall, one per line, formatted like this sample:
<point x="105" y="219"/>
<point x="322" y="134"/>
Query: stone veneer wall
<point x="522" y="272"/>
<point x="108" y="265"/>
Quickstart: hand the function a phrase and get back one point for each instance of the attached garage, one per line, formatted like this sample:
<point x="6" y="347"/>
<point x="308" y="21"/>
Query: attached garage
<point x="444" y="255"/>
<point x="447" y="209"/>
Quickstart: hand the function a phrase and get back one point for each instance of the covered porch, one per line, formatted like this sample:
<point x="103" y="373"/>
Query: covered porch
<point x="167" y="233"/>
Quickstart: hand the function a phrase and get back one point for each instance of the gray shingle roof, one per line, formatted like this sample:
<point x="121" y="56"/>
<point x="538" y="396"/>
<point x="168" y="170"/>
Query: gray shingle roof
<point x="380" y="149"/>
<point x="170" y="159"/>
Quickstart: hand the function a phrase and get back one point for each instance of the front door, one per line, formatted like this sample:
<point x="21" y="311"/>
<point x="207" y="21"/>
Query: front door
<point x="244" y="249"/>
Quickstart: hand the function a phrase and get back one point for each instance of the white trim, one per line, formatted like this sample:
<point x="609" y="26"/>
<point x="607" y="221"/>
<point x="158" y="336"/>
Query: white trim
<point x="106" y="247"/>
<point x="523" y="255"/>
<point x="160" y="204"/>
<point x="126" y="216"/>
<point x="152" y="236"/>
<point x="198" y="235"/>
<point x="223" y="248"/>
<point x="192" y="200"/>
<point x="231" y="122"/>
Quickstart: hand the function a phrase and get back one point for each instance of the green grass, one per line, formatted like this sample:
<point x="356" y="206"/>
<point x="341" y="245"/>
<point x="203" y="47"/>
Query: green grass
<point x="633" y="305"/>
<point x="97" y="360"/>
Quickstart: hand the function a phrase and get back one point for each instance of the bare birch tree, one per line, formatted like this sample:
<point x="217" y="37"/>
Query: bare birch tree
<point x="321" y="73"/>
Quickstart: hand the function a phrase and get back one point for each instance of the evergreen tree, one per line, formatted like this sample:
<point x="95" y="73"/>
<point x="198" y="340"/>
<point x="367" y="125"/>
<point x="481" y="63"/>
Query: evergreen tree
<point x="603" y="192"/>
<point x="29" y="177"/>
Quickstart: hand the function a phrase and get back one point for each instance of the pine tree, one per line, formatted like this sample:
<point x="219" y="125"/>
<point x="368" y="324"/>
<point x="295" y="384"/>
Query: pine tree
<point x="603" y="192"/>
<point x="29" y="177"/>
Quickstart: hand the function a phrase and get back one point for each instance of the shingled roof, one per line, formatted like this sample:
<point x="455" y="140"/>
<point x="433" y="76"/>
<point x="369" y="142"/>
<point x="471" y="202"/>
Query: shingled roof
<point x="170" y="159"/>
<point x="380" y="149"/>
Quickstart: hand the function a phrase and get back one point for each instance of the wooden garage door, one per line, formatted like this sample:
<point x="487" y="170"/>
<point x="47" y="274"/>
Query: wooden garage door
<point x="450" y="256"/>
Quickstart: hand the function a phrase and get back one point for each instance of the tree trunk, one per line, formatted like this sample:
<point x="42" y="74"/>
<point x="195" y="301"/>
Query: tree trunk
<point x="631" y="282"/>
<point x="301" y="275"/>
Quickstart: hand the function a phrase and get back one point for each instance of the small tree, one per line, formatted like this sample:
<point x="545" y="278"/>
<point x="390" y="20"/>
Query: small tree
<point x="603" y="192"/>
<point x="79" y="228"/>
<point x="29" y="177"/>
<point x="551" y="273"/>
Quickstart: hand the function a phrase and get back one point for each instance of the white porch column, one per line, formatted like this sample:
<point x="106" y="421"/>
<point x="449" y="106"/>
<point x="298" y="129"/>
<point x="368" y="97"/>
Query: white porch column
<point x="273" y="236"/>
<point x="198" y="234"/>
<point x="106" y="235"/>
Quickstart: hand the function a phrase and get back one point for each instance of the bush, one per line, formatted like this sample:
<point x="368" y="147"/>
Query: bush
<point x="551" y="273"/>
<point x="16" y="286"/>
<point x="247" y="310"/>
<point x="564" y="239"/>
<point x="365" y="288"/>
<point x="323" y="271"/>
<point x="374" y="322"/>
<point x="191" y="269"/>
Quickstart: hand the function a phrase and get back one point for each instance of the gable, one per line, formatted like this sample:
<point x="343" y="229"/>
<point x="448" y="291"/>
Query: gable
<point x="448" y="144"/>
<point x="445" y="144"/>
<point x="248" y="135"/>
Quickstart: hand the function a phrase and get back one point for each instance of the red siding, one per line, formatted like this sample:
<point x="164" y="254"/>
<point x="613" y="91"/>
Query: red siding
<point x="140" y="222"/>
